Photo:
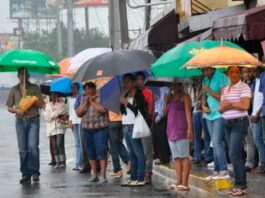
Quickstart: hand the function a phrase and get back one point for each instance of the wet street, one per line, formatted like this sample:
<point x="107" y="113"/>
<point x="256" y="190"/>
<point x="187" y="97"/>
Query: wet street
<point x="55" y="183"/>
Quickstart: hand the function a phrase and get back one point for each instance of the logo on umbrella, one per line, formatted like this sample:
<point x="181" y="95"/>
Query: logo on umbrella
<point x="196" y="51"/>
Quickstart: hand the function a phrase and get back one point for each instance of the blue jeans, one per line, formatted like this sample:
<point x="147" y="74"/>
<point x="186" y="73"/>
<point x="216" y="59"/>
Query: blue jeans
<point x="199" y="123"/>
<point x="235" y="134"/>
<point x="136" y="153"/>
<point x="257" y="130"/>
<point x="117" y="148"/>
<point x="76" y="131"/>
<point x="216" y="130"/>
<point x="28" y="145"/>
<point x="96" y="143"/>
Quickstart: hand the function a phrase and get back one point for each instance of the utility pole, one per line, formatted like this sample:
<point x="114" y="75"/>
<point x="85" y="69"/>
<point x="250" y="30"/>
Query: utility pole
<point x="87" y="19"/>
<point x="123" y="24"/>
<point x="70" y="25"/>
<point x="114" y="24"/>
<point x="147" y="15"/>
<point x="20" y="28"/>
<point x="59" y="31"/>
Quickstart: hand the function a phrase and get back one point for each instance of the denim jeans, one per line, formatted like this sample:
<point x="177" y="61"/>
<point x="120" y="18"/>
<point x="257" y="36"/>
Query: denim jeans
<point x="216" y="130"/>
<point x="78" y="154"/>
<point x="28" y="145"/>
<point x="96" y="143"/>
<point x="199" y="123"/>
<point x="236" y="133"/>
<point x="258" y="129"/>
<point x="251" y="160"/>
<point x="136" y="153"/>
<point x="117" y="148"/>
<point x="148" y="152"/>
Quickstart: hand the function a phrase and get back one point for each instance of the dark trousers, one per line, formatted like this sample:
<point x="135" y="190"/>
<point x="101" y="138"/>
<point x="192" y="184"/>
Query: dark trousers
<point x="160" y="142"/>
<point x="51" y="150"/>
<point x="59" y="150"/>
<point x="86" y="164"/>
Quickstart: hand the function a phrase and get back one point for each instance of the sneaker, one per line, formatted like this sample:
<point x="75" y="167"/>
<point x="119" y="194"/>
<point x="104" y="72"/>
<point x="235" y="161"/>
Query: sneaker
<point x="221" y="175"/>
<point x="57" y="166"/>
<point x="77" y="168"/>
<point x="25" y="179"/>
<point x="85" y="170"/>
<point x="104" y="180"/>
<point x="116" y="174"/>
<point x="62" y="165"/>
<point x="52" y="163"/>
<point x="210" y="165"/>
<point x="137" y="183"/>
<point x="36" y="178"/>
<point x="209" y="178"/>
<point x="93" y="180"/>
<point x="126" y="182"/>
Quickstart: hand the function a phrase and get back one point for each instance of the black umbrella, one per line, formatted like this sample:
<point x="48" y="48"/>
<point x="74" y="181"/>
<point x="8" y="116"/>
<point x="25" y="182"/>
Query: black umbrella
<point x="114" y="63"/>
<point x="165" y="81"/>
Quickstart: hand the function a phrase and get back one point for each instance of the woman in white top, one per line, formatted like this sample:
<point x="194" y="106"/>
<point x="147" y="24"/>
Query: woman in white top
<point x="74" y="123"/>
<point x="55" y="114"/>
<point x="235" y="102"/>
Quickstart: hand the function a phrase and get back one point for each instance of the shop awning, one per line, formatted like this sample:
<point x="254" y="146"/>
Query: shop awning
<point x="91" y="3"/>
<point x="250" y="24"/>
<point x="162" y="33"/>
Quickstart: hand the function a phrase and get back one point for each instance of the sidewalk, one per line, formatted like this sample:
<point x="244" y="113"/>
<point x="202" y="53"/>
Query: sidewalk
<point x="197" y="181"/>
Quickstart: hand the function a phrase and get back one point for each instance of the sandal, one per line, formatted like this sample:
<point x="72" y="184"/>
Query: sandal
<point x="258" y="170"/>
<point x="172" y="187"/>
<point x="239" y="193"/>
<point x="183" y="188"/>
<point x="229" y="192"/>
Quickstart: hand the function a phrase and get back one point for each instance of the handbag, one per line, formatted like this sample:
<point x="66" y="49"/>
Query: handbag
<point x="140" y="128"/>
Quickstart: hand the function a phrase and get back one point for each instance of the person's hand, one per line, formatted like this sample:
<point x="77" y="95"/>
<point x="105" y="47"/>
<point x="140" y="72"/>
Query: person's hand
<point x="92" y="99"/>
<point x="70" y="124"/>
<point x="190" y="135"/>
<point x="205" y="88"/>
<point x="123" y="100"/>
<point x="206" y="109"/>
<point x="19" y="112"/>
<point x="255" y="119"/>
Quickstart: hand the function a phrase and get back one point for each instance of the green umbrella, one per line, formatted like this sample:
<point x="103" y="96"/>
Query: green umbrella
<point x="34" y="61"/>
<point x="170" y="63"/>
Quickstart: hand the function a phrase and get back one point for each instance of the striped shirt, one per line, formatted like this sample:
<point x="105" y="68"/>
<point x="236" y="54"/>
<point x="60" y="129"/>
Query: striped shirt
<point x="234" y="94"/>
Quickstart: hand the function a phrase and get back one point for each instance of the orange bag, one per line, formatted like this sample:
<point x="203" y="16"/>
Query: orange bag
<point x="27" y="102"/>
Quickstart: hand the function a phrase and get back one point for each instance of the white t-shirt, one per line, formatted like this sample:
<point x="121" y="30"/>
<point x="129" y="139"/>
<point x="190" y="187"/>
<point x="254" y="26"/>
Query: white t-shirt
<point x="258" y="98"/>
<point x="129" y="118"/>
<point x="72" y="114"/>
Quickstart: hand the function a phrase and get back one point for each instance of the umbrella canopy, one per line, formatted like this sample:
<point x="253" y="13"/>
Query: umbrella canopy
<point x="34" y="61"/>
<point x="170" y="63"/>
<point x="62" y="85"/>
<point x="114" y="63"/>
<point x="223" y="56"/>
<point x="84" y="56"/>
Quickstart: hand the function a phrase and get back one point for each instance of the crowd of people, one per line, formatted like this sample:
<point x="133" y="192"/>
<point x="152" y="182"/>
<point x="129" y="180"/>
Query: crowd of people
<point x="222" y="113"/>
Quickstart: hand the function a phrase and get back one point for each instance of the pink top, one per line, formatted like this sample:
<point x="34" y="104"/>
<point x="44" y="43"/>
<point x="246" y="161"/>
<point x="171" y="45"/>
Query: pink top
<point x="177" y="127"/>
<point x="234" y="94"/>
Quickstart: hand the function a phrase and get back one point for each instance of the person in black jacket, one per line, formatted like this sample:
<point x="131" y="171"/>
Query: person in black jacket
<point x="132" y="101"/>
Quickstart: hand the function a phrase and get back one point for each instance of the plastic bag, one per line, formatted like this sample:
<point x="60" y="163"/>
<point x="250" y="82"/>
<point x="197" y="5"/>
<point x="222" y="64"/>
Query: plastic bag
<point x="140" y="128"/>
<point x="27" y="101"/>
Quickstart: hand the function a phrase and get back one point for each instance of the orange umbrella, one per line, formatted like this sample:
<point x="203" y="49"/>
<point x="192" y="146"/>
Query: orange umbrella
<point x="64" y="66"/>
<point x="223" y="56"/>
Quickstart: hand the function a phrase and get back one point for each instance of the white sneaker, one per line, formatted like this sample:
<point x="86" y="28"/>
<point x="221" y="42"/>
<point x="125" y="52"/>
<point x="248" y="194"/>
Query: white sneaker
<point x="117" y="174"/>
<point x="210" y="165"/>
<point x="127" y="182"/>
<point x="137" y="183"/>
<point x="221" y="175"/>
<point x="209" y="178"/>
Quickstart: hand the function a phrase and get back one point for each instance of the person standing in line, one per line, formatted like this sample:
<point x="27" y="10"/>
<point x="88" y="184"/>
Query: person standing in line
<point x="74" y="123"/>
<point x="179" y="132"/>
<point x="251" y="161"/>
<point x="160" y="142"/>
<point x="95" y="123"/>
<point x="147" y="141"/>
<point x="117" y="148"/>
<point x="55" y="114"/>
<point x="27" y="126"/>
<point x="235" y="102"/>
<point x="213" y="83"/>
<point x="133" y="102"/>
<point x="199" y="123"/>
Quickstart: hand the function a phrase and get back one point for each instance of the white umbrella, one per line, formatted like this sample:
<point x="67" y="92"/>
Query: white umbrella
<point x="79" y="59"/>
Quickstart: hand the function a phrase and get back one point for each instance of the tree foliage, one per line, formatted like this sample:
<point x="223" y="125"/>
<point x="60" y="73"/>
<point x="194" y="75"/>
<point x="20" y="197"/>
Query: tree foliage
<point x="47" y="41"/>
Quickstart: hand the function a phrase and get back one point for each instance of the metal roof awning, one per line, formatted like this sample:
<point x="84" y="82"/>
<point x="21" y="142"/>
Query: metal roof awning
<point x="162" y="33"/>
<point x="250" y="24"/>
<point x="91" y="3"/>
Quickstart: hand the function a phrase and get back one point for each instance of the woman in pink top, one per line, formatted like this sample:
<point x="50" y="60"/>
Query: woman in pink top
<point x="235" y="102"/>
<point x="179" y="133"/>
